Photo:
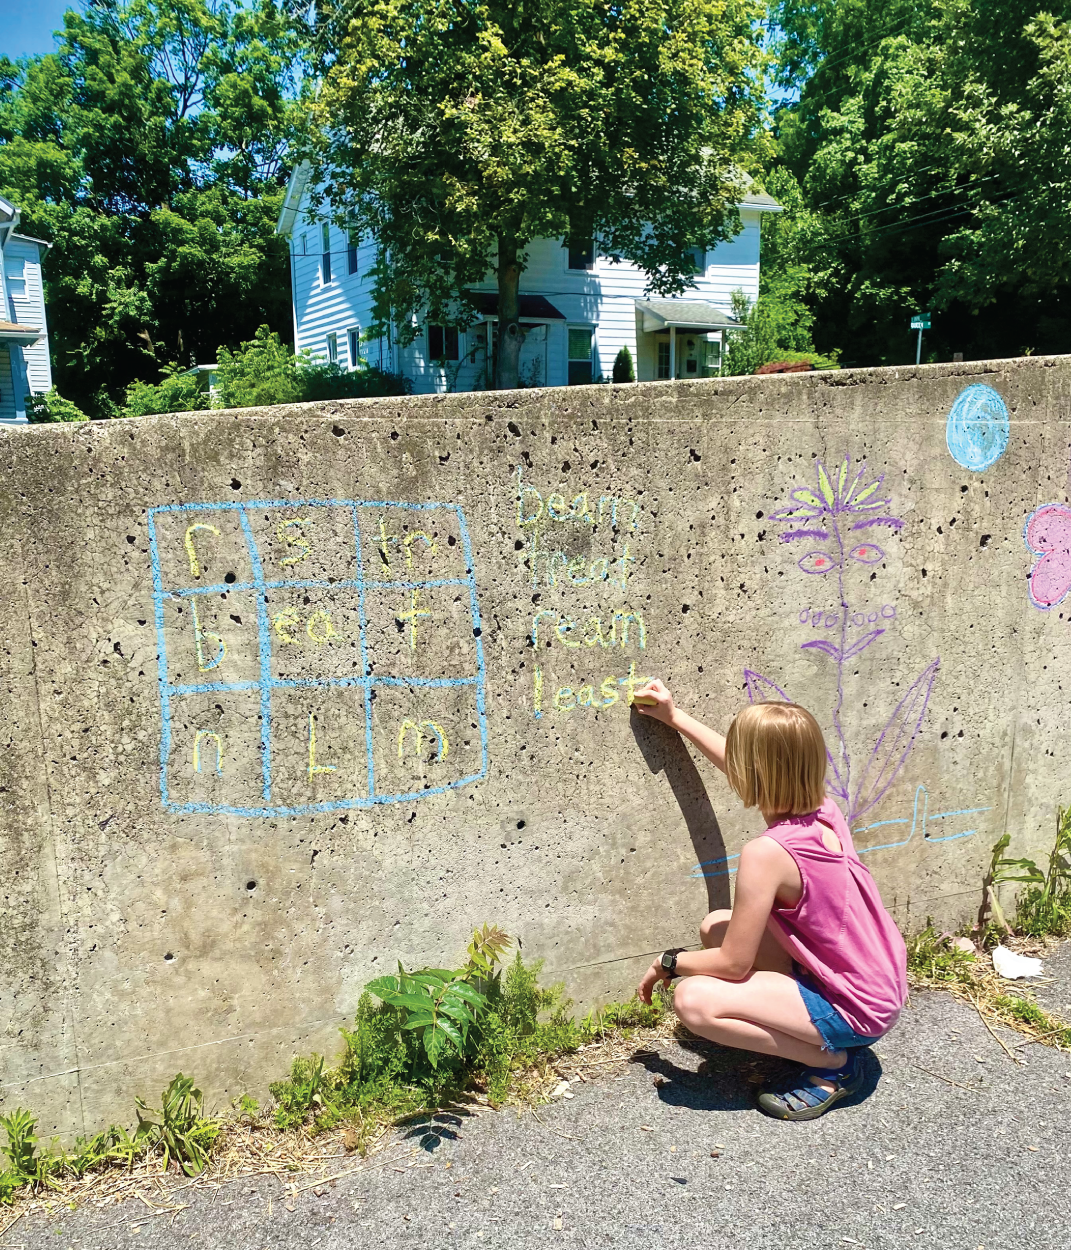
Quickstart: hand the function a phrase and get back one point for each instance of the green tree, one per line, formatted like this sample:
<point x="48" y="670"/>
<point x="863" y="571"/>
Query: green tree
<point x="52" y="407"/>
<point x="149" y="149"/>
<point x="929" y="143"/>
<point x="623" y="368"/>
<point x="457" y="133"/>
<point x="266" y="371"/>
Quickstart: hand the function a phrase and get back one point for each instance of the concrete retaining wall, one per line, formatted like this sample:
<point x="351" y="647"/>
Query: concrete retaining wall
<point x="292" y="694"/>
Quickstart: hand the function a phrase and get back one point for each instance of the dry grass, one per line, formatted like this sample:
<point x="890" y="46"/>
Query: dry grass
<point x="995" y="999"/>
<point x="305" y="1164"/>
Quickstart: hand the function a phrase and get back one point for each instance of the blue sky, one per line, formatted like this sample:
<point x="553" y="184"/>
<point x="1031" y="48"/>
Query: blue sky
<point x="26" y="26"/>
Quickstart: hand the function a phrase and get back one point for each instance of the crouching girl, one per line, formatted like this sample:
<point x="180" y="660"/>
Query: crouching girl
<point x="808" y="965"/>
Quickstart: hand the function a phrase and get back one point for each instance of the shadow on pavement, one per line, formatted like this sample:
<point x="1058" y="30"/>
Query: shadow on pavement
<point x="727" y="1080"/>
<point x="431" y="1129"/>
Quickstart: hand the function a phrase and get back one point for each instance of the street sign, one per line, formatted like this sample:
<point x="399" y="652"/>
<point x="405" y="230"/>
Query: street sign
<point x="920" y="321"/>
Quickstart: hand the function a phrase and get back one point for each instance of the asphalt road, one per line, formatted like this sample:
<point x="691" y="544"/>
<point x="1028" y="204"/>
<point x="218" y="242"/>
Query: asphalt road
<point x="915" y="1160"/>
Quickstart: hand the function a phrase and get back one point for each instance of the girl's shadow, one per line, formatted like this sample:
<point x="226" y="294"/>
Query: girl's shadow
<point x="664" y="751"/>
<point x="728" y="1080"/>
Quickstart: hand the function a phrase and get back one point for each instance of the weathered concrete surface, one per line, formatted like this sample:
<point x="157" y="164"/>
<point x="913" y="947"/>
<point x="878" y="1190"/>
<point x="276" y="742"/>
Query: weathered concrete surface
<point x="140" y="937"/>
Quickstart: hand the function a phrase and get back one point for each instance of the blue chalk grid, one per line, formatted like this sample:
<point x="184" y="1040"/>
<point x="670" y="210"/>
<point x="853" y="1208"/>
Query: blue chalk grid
<point x="233" y="527"/>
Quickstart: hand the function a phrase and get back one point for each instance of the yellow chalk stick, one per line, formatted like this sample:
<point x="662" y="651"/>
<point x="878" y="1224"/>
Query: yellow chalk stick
<point x="645" y="699"/>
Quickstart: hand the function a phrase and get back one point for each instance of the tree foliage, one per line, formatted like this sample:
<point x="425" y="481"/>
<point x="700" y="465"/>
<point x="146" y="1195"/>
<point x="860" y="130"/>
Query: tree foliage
<point x="456" y="132"/>
<point x="929" y="144"/>
<point x="259" y="373"/>
<point x="149" y="150"/>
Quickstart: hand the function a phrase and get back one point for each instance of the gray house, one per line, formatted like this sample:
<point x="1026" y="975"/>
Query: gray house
<point x="24" y="360"/>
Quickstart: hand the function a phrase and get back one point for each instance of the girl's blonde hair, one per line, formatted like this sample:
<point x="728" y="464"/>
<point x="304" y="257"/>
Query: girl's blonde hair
<point x="775" y="758"/>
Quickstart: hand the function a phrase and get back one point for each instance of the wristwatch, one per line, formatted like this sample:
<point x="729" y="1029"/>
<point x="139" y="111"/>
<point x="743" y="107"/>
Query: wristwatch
<point x="669" y="961"/>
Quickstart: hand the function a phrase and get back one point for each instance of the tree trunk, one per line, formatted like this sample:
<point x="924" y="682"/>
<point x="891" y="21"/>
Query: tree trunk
<point x="510" y="335"/>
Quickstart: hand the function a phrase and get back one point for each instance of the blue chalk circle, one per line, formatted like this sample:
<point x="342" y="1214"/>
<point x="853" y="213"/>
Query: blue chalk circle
<point x="978" y="427"/>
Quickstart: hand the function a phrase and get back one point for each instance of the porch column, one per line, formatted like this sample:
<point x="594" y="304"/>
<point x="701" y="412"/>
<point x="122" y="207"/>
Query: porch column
<point x="673" y="352"/>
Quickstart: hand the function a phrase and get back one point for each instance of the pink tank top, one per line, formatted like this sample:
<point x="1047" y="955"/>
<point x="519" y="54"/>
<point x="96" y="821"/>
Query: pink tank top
<point x="839" y="931"/>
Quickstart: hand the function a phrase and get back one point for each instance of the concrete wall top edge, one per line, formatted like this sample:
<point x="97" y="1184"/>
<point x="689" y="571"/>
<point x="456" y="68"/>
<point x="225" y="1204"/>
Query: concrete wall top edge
<point x="478" y="405"/>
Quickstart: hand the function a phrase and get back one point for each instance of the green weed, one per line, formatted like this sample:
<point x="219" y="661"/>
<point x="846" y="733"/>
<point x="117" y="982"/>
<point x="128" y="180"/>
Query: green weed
<point x="179" y="1130"/>
<point x="932" y="957"/>
<point x="1025" y="1011"/>
<point x="1043" y="908"/>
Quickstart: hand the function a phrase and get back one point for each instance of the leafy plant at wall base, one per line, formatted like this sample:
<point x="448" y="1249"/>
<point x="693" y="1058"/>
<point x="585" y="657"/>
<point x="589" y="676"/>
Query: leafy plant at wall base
<point x="21" y="1149"/>
<point x="301" y="1093"/>
<point x="113" y="1145"/>
<point x="486" y="949"/>
<point x="179" y="1128"/>
<point x="1001" y="870"/>
<point x="1044" y="907"/>
<point x="440" y="1007"/>
<point x="932" y="957"/>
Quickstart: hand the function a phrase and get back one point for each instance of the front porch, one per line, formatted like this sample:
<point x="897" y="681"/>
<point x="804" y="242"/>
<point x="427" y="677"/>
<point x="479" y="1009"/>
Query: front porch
<point x="680" y="339"/>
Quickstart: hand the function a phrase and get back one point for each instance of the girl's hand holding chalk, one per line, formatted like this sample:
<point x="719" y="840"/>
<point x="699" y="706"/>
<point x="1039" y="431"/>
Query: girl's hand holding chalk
<point x="655" y="700"/>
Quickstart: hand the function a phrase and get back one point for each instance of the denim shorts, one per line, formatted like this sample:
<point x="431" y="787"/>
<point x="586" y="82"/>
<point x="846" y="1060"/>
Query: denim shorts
<point x="836" y="1032"/>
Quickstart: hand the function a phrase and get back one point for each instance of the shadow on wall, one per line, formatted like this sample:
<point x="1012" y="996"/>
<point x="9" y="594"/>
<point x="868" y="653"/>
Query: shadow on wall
<point x="664" y="751"/>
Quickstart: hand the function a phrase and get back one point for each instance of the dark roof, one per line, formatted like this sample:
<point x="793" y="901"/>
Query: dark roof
<point x="486" y="303"/>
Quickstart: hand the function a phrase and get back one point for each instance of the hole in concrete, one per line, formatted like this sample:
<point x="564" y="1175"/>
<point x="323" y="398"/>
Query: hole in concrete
<point x="521" y="824"/>
<point x="169" y="958"/>
<point x="230" y="578"/>
<point x="250" y="886"/>
<point x="235" y="484"/>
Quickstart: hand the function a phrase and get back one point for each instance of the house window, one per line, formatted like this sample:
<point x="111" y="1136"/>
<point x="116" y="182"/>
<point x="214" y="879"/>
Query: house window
<point x="351" y="252"/>
<point x="443" y="342"/>
<point x="15" y="273"/>
<point x="304" y="248"/>
<point x="698" y="258"/>
<point x="354" y="340"/>
<point x="580" y="345"/>
<point x="325" y="249"/>
<point x="582" y="254"/>
<point x="663" y="360"/>
<point x="332" y="348"/>
<point x="713" y="355"/>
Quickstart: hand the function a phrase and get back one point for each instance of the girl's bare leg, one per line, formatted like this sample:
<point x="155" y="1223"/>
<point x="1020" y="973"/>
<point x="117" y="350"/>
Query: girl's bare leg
<point x="765" y="1012"/>
<point x="771" y="957"/>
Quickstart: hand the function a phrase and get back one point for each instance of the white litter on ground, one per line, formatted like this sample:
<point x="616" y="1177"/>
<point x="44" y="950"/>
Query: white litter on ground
<point x="1013" y="967"/>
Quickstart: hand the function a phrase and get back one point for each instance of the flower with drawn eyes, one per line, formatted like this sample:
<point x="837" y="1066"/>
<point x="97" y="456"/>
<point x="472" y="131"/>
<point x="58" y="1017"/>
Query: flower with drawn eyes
<point x="816" y="514"/>
<point x="822" y="561"/>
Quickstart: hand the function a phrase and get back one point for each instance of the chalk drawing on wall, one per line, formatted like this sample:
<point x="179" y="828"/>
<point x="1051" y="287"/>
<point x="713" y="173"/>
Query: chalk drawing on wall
<point x="315" y="655"/>
<point x="1047" y="534"/>
<point x="837" y="525"/>
<point x="919" y="821"/>
<point x="977" y="429"/>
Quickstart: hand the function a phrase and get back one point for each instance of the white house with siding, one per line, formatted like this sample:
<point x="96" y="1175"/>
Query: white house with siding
<point x="24" y="361"/>
<point x="578" y="308"/>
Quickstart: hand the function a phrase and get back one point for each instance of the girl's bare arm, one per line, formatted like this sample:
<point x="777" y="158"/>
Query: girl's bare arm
<point x="654" y="700"/>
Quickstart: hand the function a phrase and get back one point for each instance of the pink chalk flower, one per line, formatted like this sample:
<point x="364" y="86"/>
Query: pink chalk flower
<point x="1047" y="535"/>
